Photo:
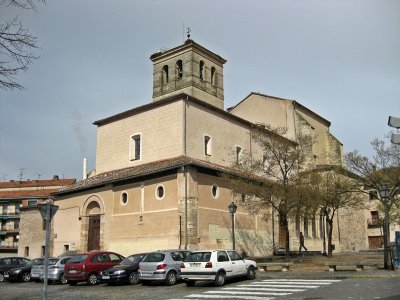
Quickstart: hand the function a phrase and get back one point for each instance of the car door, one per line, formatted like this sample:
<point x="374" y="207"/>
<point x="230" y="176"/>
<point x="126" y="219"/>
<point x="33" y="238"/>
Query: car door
<point x="238" y="264"/>
<point x="223" y="262"/>
<point x="99" y="262"/>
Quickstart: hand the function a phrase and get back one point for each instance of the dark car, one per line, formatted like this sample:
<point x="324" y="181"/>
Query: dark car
<point x="87" y="267"/>
<point x="8" y="263"/>
<point x="126" y="271"/>
<point x="22" y="273"/>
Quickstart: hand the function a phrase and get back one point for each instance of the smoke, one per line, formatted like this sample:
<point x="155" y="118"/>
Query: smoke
<point x="77" y="127"/>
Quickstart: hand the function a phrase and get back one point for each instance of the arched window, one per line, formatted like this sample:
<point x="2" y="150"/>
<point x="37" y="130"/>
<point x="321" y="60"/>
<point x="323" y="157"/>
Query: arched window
<point x="165" y="74"/>
<point x="124" y="198"/>
<point x="201" y="70"/>
<point x="215" y="191"/>
<point x="179" y="69"/>
<point x="213" y="75"/>
<point x="160" y="192"/>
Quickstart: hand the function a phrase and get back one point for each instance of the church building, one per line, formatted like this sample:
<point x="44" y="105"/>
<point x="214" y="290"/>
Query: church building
<point x="157" y="182"/>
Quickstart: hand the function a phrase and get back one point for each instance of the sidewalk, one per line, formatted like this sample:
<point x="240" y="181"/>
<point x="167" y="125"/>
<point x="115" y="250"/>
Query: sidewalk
<point x="314" y="267"/>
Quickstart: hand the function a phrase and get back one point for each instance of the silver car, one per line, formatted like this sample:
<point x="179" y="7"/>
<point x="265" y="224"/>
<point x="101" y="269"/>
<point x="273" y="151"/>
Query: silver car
<point x="55" y="271"/>
<point x="162" y="266"/>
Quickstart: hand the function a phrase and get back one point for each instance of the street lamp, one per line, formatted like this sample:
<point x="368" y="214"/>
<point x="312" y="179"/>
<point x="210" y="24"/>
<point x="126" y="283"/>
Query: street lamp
<point x="384" y="192"/>
<point x="232" y="209"/>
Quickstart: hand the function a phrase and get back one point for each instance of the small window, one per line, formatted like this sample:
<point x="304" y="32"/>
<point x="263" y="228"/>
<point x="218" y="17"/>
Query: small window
<point x="215" y="191"/>
<point x="207" y="145"/>
<point x="165" y="74"/>
<point x="32" y="202"/>
<point x="43" y="224"/>
<point x="179" y="69"/>
<point x="26" y="252"/>
<point x="124" y="198"/>
<point x="66" y="247"/>
<point x="201" y="70"/>
<point x="43" y="252"/>
<point x="239" y="155"/>
<point x="160" y="192"/>
<point x="213" y="75"/>
<point x="135" y="147"/>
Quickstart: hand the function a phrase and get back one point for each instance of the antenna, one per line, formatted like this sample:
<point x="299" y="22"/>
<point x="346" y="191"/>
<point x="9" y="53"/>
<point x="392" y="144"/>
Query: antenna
<point x="21" y="173"/>
<point x="38" y="176"/>
<point x="4" y="176"/>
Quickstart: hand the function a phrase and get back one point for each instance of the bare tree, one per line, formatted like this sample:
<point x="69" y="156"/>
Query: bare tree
<point x="16" y="45"/>
<point x="336" y="188"/>
<point x="275" y="180"/>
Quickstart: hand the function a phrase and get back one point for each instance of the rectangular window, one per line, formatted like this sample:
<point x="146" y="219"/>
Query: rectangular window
<point x="207" y="145"/>
<point x="43" y="224"/>
<point x="26" y="252"/>
<point x="374" y="218"/>
<point x="32" y="202"/>
<point x="239" y="155"/>
<point x="43" y="250"/>
<point x="66" y="247"/>
<point x="135" y="147"/>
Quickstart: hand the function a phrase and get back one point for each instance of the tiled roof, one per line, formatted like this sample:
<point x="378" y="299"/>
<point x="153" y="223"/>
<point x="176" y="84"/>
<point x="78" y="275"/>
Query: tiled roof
<point x="41" y="193"/>
<point x="36" y="183"/>
<point x="137" y="171"/>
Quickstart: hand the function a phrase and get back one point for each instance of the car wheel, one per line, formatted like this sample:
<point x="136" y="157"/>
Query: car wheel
<point x="26" y="277"/>
<point x="251" y="273"/>
<point x="190" y="282"/>
<point x="92" y="279"/>
<point x="1" y="277"/>
<point x="171" y="278"/>
<point x="220" y="279"/>
<point x="62" y="279"/>
<point x="133" y="278"/>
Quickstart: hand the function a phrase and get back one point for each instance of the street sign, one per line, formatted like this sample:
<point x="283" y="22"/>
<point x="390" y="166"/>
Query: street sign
<point x="43" y="210"/>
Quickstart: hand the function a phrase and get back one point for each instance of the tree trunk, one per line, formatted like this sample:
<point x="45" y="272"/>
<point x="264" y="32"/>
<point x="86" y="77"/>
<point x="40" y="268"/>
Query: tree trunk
<point x="330" y="230"/>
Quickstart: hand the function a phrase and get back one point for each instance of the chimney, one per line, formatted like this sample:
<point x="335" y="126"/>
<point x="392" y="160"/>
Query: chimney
<point x="55" y="177"/>
<point x="84" y="168"/>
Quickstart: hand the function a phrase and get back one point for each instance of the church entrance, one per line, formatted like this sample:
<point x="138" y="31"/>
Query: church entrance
<point x="94" y="233"/>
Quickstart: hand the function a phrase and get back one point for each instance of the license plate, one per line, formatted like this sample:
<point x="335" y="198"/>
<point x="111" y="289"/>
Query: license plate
<point x="105" y="277"/>
<point x="72" y="271"/>
<point x="195" y="265"/>
<point x="6" y="276"/>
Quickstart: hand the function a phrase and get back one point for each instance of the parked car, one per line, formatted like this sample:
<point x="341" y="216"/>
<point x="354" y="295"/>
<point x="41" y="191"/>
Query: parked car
<point x="162" y="266"/>
<point x="126" y="271"/>
<point x="55" y="270"/>
<point x="87" y="267"/>
<point x="38" y="269"/>
<point x="8" y="263"/>
<point x="217" y="266"/>
<point x="22" y="273"/>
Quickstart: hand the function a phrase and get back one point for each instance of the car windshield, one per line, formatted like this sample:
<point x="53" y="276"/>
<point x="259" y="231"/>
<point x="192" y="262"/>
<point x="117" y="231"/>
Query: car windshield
<point x="198" y="257"/>
<point x="53" y="261"/>
<point x="133" y="259"/>
<point x="77" y="259"/>
<point x="154" y="257"/>
<point x="36" y="262"/>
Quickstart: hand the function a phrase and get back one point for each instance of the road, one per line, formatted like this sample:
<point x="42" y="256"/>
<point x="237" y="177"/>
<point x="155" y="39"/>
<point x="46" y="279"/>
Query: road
<point x="262" y="288"/>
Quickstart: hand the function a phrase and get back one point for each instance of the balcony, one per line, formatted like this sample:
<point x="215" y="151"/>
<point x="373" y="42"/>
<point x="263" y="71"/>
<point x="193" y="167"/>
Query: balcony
<point x="373" y="223"/>
<point x="9" y="215"/>
<point x="8" y="245"/>
<point x="4" y="231"/>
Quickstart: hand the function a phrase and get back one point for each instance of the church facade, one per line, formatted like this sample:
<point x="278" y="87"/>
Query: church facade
<point x="157" y="183"/>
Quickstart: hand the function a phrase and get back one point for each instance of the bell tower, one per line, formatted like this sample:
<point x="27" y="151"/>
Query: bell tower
<point x="191" y="69"/>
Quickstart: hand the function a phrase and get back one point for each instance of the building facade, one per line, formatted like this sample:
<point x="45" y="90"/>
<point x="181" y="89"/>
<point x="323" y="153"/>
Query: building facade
<point x="16" y="197"/>
<point x="157" y="183"/>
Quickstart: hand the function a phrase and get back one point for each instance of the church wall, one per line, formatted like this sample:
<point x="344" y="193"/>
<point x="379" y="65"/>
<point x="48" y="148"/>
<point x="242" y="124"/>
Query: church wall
<point x="225" y="135"/>
<point x="161" y="133"/>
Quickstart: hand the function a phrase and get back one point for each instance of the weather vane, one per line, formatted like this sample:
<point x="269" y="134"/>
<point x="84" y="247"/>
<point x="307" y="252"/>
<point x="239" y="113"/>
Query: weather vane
<point x="188" y="32"/>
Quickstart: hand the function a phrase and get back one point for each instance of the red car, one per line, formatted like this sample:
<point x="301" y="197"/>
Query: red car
<point x="87" y="267"/>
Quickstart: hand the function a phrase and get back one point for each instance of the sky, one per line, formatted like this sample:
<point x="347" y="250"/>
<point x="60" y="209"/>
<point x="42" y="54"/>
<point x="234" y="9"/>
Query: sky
<point x="339" y="58"/>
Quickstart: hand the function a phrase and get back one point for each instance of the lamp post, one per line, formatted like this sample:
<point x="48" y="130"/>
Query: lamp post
<point x="384" y="192"/>
<point x="232" y="209"/>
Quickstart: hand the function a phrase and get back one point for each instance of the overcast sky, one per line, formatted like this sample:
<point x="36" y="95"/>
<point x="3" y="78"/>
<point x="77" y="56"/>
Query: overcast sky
<point x="341" y="59"/>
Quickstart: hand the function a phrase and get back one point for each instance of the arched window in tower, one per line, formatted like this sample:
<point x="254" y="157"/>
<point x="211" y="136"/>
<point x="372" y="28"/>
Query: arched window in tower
<point x="213" y="75"/>
<point x="201" y="70"/>
<point x="179" y="69"/>
<point x="165" y="74"/>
